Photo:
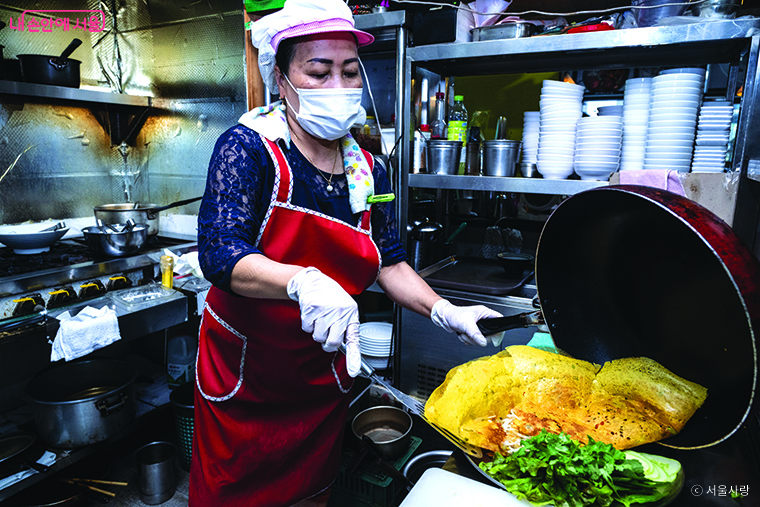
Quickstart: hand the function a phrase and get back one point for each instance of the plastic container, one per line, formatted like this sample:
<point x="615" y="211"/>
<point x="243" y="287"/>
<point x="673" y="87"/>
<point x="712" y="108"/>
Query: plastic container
<point x="180" y="360"/>
<point x="183" y="406"/>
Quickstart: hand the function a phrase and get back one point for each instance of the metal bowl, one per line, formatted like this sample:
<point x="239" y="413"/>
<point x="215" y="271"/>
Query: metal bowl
<point x="104" y="241"/>
<point x="389" y="427"/>
<point x="717" y="8"/>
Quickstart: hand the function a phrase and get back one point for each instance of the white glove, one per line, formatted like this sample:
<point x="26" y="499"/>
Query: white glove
<point x="326" y="309"/>
<point x="462" y="320"/>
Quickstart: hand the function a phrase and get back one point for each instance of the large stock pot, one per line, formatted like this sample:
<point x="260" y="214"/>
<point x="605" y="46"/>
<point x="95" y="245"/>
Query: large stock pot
<point x="82" y="402"/>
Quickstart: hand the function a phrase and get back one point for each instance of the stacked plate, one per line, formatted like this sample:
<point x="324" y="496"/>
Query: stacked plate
<point x="560" y="111"/>
<point x="597" y="147"/>
<point x="635" y="119"/>
<point x="675" y="99"/>
<point x="713" y="132"/>
<point x="531" y="120"/>
<point x="375" y="344"/>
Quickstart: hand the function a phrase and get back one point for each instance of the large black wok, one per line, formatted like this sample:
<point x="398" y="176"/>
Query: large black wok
<point x="627" y="271"/>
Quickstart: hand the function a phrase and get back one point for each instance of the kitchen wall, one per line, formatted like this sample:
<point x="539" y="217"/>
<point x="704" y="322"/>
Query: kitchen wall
<point x="188" y="55"/>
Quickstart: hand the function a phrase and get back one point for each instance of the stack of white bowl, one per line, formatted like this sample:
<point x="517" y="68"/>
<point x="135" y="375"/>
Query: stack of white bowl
<point x="713" y="132"/>
<point x="676" y="96"/>
<point x="531" y="121"/>
<point x="635" y="119"/>
<point x="375" y="343"/>
<point x="597" y="147"/>
<point x="560" y="110"/>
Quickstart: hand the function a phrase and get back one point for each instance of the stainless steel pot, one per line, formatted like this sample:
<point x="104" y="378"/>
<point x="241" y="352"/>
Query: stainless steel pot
<point x="140" y="213"/>
<point x="390" y="428"/>
<point x="82" y="402"/>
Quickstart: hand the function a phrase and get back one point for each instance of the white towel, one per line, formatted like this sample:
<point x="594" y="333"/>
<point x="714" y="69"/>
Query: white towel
<point x="89" y="330"/>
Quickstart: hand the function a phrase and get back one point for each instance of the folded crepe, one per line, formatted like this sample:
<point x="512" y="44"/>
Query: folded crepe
<point x="494" y="402"/>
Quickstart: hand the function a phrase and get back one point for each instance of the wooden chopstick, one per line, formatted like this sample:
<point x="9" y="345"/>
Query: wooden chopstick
<point x="91" y="488"/>
<point x="97" y="481"/>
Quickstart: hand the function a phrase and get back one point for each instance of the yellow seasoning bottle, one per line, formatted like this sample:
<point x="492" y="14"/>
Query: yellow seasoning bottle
<point x="167" y="271"/>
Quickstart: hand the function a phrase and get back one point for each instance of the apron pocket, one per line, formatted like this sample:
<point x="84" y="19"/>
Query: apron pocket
<point x="221" y="358"/>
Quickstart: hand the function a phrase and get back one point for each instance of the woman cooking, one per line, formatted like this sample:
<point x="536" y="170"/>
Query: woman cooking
<point x="287" y="235"/>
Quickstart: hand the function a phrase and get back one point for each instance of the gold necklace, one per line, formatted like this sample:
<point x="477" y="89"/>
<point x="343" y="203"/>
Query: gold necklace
<point x="332" y="170"/>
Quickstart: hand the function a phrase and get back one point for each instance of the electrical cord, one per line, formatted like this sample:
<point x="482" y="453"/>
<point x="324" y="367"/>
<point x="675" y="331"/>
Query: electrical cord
<point x="542" y="13"/>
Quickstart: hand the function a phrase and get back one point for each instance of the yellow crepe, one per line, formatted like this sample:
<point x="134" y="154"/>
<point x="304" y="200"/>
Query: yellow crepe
<point x="494" y="402"/>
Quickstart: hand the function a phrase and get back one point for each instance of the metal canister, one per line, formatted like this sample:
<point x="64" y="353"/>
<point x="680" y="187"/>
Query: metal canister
<point x="419" y="162"/>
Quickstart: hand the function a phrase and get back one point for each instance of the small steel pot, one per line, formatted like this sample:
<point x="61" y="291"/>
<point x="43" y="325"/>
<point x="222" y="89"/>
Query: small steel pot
<point x="82" y="402"/>
<point x="113" y="242"/>
<point x="389" y="427"/>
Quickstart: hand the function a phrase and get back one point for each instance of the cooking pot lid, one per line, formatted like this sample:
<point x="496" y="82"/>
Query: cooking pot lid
<point x="625" y="271"/>
<point x="14" y="445"/>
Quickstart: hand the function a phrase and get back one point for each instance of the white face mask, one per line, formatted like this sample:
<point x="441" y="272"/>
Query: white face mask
<point x="328" y="113"/>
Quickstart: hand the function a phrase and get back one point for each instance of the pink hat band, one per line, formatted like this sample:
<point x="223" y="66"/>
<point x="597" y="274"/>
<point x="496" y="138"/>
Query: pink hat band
<point x="322" y="26"/>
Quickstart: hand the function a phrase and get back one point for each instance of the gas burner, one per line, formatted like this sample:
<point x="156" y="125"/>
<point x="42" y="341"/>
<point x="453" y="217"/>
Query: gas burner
<point x="61" y="254"/>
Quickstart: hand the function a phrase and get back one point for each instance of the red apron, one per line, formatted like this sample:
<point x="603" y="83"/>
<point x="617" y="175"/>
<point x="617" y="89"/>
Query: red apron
<point x="271" y="404"/>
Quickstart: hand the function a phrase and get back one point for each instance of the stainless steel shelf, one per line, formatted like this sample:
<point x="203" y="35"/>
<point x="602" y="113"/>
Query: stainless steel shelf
<point x="501" y="184"/>
<point x="380" y="20"/>
<point x="713" y="42"/>
<point x="75" y="94"/>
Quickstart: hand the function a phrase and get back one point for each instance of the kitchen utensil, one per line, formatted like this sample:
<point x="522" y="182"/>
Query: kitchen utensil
<point x="443" y="156"/>
<point x="140" y="213"/>
<point x="386" y="467"/>
<point x="156" y="477"/>
<point x="59" y="225"/>
<point x="500" y="157"/>
<point x="112" y="241"/>
<point x="60" y="71"/>
<point x="389" y="428"/>
<point x="424" y="461"/>
<point x="82" y="402"/>
<point x="514" y="30"/>
<point x="425" y="244"/>
<point x="25" y="240"/>
<point x="716" y="8"/>
<point x="515" y="263"/>
<point x="655" y="10"/>
<point x="417" y="408"/>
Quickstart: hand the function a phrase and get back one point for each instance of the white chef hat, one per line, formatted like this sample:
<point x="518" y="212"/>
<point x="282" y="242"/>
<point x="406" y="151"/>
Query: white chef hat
<point x="295" y="19"/>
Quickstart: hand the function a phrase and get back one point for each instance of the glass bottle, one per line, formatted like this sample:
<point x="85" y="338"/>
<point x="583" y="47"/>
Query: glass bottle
<point x="167" y="271"/>
<point x="438" y="127"/>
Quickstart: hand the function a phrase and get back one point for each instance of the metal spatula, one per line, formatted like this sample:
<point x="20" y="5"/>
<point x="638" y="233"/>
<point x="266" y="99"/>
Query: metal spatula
<point x="417" y="407"/>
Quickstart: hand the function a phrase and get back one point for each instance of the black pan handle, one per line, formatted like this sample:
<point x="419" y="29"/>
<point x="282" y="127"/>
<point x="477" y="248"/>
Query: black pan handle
<point x="152" y="212"/>
<point x="499" y="324"/>
<point x="70" y="49"/>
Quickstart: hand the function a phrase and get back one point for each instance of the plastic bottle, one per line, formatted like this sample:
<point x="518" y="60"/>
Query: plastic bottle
<point x="167" y="271"/>
<point x="457" y="120"/>
<point x="457" y="131"/>
<point x="180" y="360"/>
<point x="438" y="127"/>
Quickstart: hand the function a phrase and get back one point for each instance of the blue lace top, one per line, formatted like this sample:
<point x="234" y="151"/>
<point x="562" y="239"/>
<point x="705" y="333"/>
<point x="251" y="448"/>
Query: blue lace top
<point x="239" y="187"/>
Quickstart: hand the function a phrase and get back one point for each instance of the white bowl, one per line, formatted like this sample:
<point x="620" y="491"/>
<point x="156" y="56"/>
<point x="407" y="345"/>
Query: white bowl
<point x="555" y="170"/>
<point x="549" y="83"/>
<point x="674" y="124"/>
<point x="376" y="331"/>
<point x="685" y="70"/>
<point x="592" y="171"/>
<point x="677" y="78"/>
<point x="25" y="239"/>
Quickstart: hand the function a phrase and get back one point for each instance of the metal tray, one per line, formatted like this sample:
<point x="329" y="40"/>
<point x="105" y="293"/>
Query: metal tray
<point x="473" y="274"/>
